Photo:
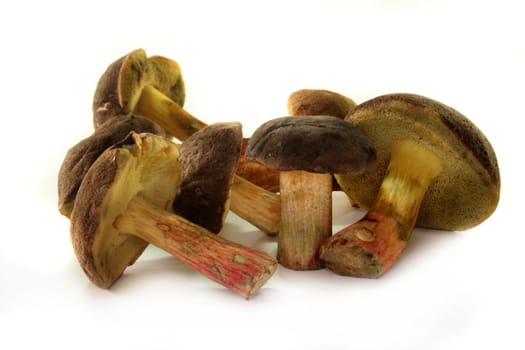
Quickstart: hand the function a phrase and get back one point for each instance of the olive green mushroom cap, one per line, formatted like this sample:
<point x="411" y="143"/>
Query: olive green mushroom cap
<point x="120" y="86"/>
<point x="208" y="159"/>
<point x="319" y="144"/>
<point x="467" y="190"/>
<point x="80" y="157"/>
<point x="143" y="165"/>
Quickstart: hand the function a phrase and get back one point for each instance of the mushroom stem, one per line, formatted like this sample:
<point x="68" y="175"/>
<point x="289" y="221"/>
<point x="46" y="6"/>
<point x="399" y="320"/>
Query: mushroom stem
<point x="256" y="205"/>
<point x="306" y="218"/>
<point x="167" y="113"/>
<point x="369" y="247"/>
<point x="241" y="269"/>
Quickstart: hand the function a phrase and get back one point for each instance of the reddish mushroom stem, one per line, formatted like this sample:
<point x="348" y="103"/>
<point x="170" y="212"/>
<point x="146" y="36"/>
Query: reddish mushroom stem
<point x="306" y="218"/>
<point x="241" y="269"/>
<point x="369" y="247"/>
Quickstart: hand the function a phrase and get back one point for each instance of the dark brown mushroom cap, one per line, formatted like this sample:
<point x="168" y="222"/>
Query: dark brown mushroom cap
<point x="145" y="165"/>
<point x="119" y="88"/>
<point x="321" y="144"/>
<point x="319" y="102"/>
<point x="208" y="159"/>
<point x="467" y="190"/>
<point x="80" y="157"/>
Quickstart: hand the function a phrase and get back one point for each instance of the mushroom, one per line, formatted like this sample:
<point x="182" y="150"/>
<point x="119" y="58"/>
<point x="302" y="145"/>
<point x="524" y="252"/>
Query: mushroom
<point x="124" y="202"/>
<point x="209" y="159"/>
<point x="307" y="150"/>
<point x="80" y="157"/>
<point x="152" y="87"/>
<point x="300" y="102"/>
<point x="319" y="102"/>
<point x="435" y="169"/>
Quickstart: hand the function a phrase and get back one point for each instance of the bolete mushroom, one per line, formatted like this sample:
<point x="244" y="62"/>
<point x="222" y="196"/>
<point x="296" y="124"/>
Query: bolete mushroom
<point x="152" y="87"/>
<point x="209" y="159"/>
<point x="435" y="169"/>
<point x="307" y="150"/>
<point x="319" y="102"/>
<point x="300" y="102"/>
<point x="80" y="157"/>
<point x="124" y="202"/>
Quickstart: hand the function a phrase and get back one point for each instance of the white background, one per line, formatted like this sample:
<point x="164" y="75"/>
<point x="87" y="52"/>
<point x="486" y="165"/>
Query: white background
<point x="241" y="60"/>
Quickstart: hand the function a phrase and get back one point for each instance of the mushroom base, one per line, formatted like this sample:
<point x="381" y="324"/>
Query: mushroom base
<point x="241" y="269"/>
<point x="306" y="218"/>
<point x="369" y="247"/>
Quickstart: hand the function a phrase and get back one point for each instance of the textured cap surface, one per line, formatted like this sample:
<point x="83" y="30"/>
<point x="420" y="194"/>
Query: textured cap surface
<point x="80" y="157"/>
<point x="322" y="144"/>
<point x="208" y="159"/>
<point x="467" y="190"/>
<point x="319" y="102"/>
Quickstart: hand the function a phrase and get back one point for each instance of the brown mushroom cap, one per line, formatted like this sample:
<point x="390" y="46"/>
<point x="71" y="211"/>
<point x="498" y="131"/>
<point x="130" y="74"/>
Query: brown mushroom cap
<point x="80" y="157"/>
<point x="321" y="144"/>
<point x="319" y="102"/>
<point x="144" y="165"/>
<point x="467" y="190"/>
<point x="120" y="86"/>
<point x="208" y="159"/>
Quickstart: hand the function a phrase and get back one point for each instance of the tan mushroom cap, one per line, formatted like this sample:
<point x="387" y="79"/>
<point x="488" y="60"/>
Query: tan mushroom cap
<point x="80" y="157"/>
<point x="144" y="165"/>
<point x="120" y="86"/>
<point x="209" y="159"/>
<point x="319" y="102"/>
<point x="467" y="190"/>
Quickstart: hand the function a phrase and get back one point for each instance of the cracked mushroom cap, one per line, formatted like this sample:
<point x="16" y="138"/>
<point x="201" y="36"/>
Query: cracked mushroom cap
<point x="467" y="190"/>
<point x="209" y="159"/>
<point x="143" y="165"/>
<point x="120" y="86"/>
<point x="80" y="157"/>
<point x="319" y="144"/>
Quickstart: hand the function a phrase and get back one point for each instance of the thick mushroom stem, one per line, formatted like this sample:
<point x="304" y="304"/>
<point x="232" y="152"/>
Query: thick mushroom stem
<point x="306" y="218"/>
<point x="369" y="247"/>
<point x="241" y="269"/>
<point x="167" y="113"/>
<point x="256" y="205"/>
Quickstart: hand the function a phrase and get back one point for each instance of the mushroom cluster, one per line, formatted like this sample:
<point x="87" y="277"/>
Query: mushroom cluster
<point x="151" y="172"/>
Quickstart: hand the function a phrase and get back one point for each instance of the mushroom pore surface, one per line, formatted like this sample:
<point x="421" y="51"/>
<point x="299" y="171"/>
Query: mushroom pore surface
<point x="142" y="165"/>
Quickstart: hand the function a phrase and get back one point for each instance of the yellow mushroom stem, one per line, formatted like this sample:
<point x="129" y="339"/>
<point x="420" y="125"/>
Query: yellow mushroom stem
<point x="241" y="269"/>
<point x="306" y="218"/>
<point x="369" y="247"/>
<point x="167" y="113"/>
<point x="256" y="205"/>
